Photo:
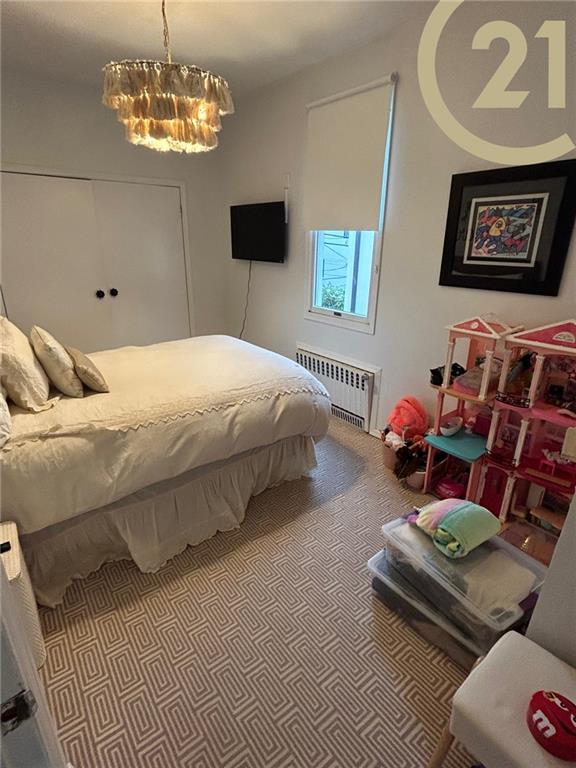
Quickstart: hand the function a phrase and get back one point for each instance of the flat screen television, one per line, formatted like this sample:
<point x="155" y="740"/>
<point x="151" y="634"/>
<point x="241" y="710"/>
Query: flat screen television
<point x="259" y="232"/>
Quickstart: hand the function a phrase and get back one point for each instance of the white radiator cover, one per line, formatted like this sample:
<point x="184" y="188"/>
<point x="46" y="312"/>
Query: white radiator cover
<point x="351" y="387"/>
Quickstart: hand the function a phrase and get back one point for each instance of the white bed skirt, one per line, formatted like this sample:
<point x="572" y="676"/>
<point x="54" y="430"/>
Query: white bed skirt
<point x="155" y="524"/>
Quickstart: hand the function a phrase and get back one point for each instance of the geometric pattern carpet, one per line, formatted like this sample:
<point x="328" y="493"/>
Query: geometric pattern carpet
<point x="260" y="648"/>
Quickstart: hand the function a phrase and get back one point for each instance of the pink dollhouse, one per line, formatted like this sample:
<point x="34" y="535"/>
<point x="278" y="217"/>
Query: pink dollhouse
<point x="531" y="446"/>
<point x="472" y="391"/>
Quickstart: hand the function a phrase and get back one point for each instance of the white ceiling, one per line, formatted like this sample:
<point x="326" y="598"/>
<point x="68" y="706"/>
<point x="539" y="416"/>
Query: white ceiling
<point x="249" y="43"/>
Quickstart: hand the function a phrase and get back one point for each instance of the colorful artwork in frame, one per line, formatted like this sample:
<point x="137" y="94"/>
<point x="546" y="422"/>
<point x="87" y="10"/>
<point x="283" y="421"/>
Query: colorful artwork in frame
<point x="505" y="230"/>
<point x="509" y="229"/>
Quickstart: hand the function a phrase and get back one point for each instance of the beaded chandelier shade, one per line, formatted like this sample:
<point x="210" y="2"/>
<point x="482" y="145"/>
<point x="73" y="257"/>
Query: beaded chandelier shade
<point x="167" y="106"/>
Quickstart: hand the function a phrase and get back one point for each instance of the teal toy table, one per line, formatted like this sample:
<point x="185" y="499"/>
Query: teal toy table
<point x="462" y="445"/>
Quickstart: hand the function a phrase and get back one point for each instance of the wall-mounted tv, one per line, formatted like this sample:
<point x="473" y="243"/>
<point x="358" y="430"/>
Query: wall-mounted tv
<point x="259" y="231"/>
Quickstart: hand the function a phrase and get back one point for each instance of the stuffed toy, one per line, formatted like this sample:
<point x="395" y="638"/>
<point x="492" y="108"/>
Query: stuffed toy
<point x="551" y="718"/>
<point x="408" y="418"/>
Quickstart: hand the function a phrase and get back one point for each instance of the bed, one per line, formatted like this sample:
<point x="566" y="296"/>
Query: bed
<point x="189" y="431"/>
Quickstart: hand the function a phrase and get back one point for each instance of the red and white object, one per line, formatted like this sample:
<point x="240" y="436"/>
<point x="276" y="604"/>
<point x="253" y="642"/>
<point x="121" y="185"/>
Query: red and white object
<point x="489" y="708"/>
<point x="551" y="719"/>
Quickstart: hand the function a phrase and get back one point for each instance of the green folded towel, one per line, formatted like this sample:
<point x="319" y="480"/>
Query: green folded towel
<point x="464" y="528"/>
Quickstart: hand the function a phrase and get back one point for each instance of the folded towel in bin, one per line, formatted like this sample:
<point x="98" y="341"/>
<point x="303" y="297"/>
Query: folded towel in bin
<point x="431" y="515"/>
<point x="457" y="526"/>
<point x="464" y="528"/>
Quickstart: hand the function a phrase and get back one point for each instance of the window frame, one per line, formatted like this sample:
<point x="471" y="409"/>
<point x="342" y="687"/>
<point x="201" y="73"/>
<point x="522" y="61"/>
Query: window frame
<point x="344" y="319"/>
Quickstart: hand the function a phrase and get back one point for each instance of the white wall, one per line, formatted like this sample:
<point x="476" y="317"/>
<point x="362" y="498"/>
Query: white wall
<point x="64" y="127"/>
<point x="265" y="140"/>
<point x="553" y="624"/>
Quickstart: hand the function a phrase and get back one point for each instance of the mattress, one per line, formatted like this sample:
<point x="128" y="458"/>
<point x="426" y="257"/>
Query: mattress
<point x="172" y="407"/>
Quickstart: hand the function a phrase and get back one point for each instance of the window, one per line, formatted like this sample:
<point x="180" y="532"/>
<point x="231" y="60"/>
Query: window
<point x="345" y="175"/>
<point x="343" y="270"/>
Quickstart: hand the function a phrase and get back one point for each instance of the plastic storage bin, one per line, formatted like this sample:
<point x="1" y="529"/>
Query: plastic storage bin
<point x="481" y="593"/>
<point x="405" y="600"/>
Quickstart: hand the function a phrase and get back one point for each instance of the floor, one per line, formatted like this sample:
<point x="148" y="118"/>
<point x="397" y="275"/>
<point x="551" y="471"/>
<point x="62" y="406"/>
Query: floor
<point x="261" y="648"/>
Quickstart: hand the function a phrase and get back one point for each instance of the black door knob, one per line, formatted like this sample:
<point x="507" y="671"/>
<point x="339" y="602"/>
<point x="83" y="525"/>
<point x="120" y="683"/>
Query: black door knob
<point x="100" y="294"/>
<point x="113" y="291"/>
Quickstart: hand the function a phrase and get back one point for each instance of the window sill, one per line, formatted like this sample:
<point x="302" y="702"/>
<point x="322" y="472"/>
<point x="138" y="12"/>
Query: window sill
<point x="361" y="326"/>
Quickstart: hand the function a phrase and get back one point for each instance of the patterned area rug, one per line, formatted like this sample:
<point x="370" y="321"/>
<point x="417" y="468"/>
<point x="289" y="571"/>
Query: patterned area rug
<point x="261" y="648"/>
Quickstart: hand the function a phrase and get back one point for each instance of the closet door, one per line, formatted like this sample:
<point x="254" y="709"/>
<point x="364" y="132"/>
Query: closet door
<point x="50" y="264"/>
<point x="142" y="252"/>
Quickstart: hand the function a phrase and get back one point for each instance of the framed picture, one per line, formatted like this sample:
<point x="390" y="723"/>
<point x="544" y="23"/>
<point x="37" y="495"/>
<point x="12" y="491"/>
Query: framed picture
<point x="509" y="229"/>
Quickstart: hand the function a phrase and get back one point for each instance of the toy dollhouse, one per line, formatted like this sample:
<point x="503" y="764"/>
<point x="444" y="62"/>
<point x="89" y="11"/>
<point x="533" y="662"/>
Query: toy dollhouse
<point x="460" y="434"/>
<point x="531" y="446"/>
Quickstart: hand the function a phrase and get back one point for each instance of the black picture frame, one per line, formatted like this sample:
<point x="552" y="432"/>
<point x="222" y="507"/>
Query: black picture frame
<point x="509" y="229"/>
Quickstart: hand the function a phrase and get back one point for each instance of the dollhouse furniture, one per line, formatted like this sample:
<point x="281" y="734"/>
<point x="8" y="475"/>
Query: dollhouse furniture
<point x="466" y="448"/>
<point x="532" y="412"/>
<point x="483" y="335"/>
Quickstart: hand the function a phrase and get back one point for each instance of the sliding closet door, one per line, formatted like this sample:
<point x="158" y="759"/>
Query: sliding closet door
<point x="50" y="265"/>
<point x="142" y="252"/>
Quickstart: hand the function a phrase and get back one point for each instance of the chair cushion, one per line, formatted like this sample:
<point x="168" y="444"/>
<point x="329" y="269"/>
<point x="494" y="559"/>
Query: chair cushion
<point x="489" y="709"/>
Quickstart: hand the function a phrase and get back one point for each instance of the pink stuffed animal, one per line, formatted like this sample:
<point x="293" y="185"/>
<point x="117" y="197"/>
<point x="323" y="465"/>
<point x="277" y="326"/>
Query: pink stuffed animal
<point x="408" y="417"/>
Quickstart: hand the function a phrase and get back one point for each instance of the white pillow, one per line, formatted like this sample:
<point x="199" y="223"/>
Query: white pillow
<point x="87" y="371"/>
<point x="22" y="375"/>
<point x="5" y="420"/>
<point x="56" y="362"/>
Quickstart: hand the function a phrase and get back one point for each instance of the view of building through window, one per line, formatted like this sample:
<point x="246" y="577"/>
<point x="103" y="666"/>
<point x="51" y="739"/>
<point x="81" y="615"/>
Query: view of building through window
<point x="343" y="271"/>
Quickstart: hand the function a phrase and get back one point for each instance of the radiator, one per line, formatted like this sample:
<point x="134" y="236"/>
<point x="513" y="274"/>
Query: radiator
<point x="350" y="387"/>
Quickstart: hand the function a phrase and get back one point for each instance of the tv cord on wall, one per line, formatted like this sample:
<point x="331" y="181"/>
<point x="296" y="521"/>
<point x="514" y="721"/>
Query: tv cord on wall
<point x="247" y="298"/>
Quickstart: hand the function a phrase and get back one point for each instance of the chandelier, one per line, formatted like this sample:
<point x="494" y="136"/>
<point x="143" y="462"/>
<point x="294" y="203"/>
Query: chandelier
<point x="166" y="106"/>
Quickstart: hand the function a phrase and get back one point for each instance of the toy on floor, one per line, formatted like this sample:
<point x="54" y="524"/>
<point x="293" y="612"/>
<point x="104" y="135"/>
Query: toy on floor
<point x="408" y="418"/>
<point x="452" y="486"/>
<point x="404" y="435"/>
<point x="410" y="458"/>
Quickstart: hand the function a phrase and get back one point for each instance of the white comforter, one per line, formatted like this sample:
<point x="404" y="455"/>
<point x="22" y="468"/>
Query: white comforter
<point x="172" y="407"/>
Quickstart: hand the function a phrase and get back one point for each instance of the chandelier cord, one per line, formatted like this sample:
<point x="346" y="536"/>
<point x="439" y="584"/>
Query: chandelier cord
<point x="166" y="34"/>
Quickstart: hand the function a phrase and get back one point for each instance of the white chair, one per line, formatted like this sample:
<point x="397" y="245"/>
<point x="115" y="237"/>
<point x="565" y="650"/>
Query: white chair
<point x="489" y="709"/>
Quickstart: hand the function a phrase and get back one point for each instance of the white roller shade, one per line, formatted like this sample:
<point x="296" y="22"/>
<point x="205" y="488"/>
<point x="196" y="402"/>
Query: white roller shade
<point x="345" y="154"/>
